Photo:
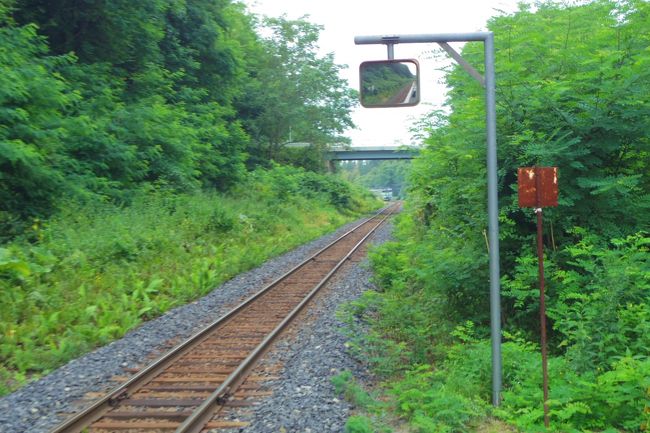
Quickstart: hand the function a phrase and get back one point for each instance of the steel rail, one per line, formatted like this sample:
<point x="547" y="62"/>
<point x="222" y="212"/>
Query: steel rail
<point x="196" y="422"/>
<point x="79" y="421"/>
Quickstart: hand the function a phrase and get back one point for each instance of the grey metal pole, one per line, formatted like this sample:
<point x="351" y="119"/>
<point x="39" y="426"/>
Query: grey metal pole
<point x="492" y="182"/>
<point x="493" y="217"/>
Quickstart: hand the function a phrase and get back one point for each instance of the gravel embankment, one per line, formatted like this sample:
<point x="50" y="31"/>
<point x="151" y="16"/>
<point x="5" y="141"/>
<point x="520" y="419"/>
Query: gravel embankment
<point x="304" y="402"/>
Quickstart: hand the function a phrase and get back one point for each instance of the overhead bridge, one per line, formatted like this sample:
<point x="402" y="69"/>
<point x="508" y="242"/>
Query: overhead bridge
<point x="365" y="153"/>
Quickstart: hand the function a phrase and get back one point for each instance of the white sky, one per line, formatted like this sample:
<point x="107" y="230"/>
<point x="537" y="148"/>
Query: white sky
<point x="345" y="19"/>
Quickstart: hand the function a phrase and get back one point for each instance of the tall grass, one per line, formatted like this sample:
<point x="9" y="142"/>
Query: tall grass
<point x="95" y="271"/>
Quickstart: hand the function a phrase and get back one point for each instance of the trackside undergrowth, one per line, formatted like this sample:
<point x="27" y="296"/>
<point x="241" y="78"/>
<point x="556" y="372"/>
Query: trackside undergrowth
<point x="570" y="76"/>
<point x="94" y="271"/>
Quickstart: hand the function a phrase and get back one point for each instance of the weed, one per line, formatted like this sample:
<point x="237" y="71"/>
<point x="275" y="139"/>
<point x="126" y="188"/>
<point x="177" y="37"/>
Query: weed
<point x="344" y="383"/>
<point x="359" y="424"/>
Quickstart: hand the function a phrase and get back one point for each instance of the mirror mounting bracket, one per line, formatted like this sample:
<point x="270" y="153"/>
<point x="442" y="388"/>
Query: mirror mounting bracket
<point x="462" y="62"/>
<point x="390" y="42"/>
<point x="391" y="51"/>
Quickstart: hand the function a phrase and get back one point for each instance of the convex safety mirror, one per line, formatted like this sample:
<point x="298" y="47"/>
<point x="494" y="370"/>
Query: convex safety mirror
<point x="390" y="83"/>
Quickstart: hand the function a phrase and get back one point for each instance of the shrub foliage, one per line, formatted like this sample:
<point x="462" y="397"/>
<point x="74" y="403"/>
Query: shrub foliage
<point x="570" y="85"/>
<point x="100" y="100"/>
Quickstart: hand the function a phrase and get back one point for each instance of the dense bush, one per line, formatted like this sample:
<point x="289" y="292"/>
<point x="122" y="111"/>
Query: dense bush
<point x="100" y="101"/>
<point x="569" y="82"/>
<point x="598" y="299"/>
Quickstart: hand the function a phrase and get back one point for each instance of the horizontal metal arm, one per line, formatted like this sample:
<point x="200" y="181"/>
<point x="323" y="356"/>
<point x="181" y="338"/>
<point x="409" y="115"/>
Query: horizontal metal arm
<point x="421" y="39"/>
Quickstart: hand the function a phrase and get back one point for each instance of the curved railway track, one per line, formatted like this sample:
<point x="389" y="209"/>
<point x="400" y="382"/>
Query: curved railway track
<point x="186" y="389"/>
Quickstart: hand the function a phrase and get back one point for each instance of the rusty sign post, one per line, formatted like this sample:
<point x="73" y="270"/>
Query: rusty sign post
<point x="538" y="189"/>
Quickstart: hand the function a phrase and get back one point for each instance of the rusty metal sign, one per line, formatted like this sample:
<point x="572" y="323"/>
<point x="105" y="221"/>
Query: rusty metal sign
<point x="537" y="186"/>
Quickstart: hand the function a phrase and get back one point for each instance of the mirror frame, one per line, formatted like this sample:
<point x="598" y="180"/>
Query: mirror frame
<point x="365" y="64"/>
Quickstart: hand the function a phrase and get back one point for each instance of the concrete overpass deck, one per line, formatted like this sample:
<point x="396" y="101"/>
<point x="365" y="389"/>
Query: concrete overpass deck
<point x="368" y="153"/>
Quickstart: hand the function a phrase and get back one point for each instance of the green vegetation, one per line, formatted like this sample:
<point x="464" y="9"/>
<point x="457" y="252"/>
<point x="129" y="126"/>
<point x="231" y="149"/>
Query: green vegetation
<point x="98" y="270"/>
<point x="139" y="152"/>
<point x="354" y="393"/>
<point x="571" y="86"/>
<point x="377" y="174"/>
<point x="102" y="99"/>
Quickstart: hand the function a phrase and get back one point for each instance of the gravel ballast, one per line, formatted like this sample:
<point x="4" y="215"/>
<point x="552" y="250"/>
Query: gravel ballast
<point x="303" y="399"/>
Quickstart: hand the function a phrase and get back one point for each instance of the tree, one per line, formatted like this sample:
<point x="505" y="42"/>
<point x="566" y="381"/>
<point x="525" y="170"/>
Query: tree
<point x="101" y="99"/>
<point x="570" y="86"/>
<point x="121" y="32"/>
<point x="295" y="93"/>
<point x="31" y="138"/>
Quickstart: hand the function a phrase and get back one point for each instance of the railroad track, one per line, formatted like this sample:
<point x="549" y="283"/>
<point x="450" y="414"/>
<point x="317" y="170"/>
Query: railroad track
<point x="186" y="389"/>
